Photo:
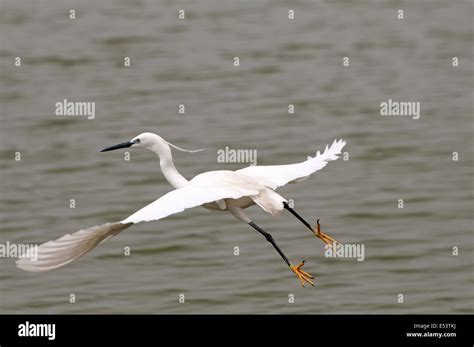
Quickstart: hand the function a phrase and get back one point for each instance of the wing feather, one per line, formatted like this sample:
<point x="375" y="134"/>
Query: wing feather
<point x="207" y="188"/>
<point x="274" y="176"/>
<point x="54" y="254"/>
<point x="187" y="197"/>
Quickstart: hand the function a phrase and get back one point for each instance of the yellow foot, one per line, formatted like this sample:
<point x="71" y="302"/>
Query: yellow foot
<point x="302" y="275"/>
<point x="325" y="237"/>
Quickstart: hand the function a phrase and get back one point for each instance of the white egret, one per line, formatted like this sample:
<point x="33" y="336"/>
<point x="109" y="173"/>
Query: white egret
<point x="223" y="190"/>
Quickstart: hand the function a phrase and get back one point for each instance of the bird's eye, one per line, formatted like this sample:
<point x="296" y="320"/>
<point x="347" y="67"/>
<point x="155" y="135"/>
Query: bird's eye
<point x="137" y="141"/>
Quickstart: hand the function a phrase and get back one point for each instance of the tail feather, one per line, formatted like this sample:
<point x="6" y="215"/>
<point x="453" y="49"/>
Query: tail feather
<point x="54" y="254"/>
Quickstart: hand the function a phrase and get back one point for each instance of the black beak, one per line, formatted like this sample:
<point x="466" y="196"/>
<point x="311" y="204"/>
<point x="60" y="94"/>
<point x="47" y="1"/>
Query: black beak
<point x="120" y="145"/>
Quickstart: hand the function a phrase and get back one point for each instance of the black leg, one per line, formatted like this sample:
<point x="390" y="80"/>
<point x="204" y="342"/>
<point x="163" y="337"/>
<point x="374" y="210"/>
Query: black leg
<point x="301" y="219"/>
<point x="270" y="239"/>
<point x="318" y="233"/>
<point x="302" y="275"/>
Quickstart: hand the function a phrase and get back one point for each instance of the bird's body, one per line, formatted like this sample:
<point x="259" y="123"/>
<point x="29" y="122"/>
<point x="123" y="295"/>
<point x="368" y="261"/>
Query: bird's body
<point x="229" y="178"/>
<point x="223" y="190"/>
<point x="236" y="179"/>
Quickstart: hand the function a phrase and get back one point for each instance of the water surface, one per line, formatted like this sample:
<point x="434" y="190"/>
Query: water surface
<point x="283" y="62"/>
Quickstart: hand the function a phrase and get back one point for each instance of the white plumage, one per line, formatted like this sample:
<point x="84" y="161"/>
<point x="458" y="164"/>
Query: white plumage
<point x="274" y="176"/>
<point x="204" y="188"/>
<point x="216" y="190"/>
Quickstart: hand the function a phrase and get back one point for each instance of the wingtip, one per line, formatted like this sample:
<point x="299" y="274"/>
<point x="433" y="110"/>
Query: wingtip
<point x="26" y="265"/>
<point x="340" y="142"/>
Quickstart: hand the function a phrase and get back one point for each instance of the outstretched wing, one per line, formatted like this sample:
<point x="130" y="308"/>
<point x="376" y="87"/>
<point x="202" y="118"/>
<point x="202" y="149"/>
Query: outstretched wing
<point x="274" y="176"/>
<point x="54" y="254"/>
<point x="187" y="197"/>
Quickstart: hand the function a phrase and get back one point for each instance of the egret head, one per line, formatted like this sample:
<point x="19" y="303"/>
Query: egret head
<point x="145" y="141"/>
<point x="149" y="141"/>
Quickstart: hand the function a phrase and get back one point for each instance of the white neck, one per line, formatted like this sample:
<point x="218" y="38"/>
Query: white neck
<point x="167" y="166"/>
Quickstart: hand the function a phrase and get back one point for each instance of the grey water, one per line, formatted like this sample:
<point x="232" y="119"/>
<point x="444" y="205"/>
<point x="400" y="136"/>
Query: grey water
<point x="423" y="251"/>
